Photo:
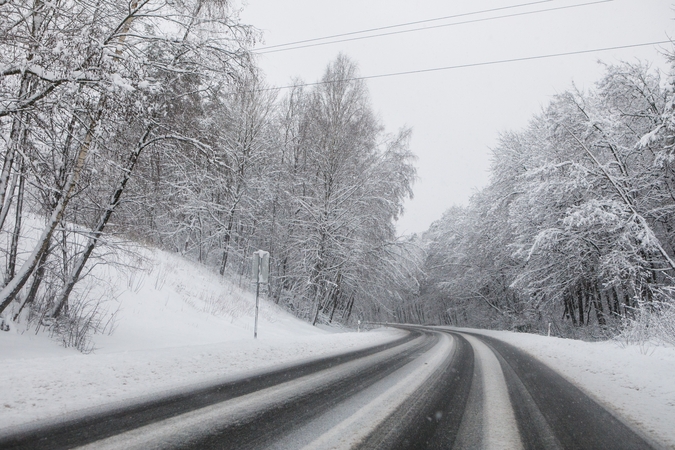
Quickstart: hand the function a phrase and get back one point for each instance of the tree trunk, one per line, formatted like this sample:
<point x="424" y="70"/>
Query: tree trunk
<point x="62" y="297"/>
<point x="226" y="243"/>
<point x="332" y="312"/>
<point x="599" y="311"/>
<point x="616" y="302"/>
<point x="13" y="249"/>
<point x="349" y="309"/>
<point x="35" y="285"/>
<point x="580" y="301"/>
<point x="8" y="200"/>
<point x="26" y="88"/>
<point x="14" y="286"/>
<point x="317" y="306"/>
<point x="569" y="312"/>
<point x="14" y="137"/>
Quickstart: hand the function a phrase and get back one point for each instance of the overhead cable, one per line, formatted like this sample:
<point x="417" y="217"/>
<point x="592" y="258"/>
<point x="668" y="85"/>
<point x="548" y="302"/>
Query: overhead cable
<point x="316" y="44"/>
<point x="369" y="30"/>
<point x="477" y="64"/>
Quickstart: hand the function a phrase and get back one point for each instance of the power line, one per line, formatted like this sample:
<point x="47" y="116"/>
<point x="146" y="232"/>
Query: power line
<point x="404" y="24"/>
<point x="316" y="44"/>
<point x="478" y="64"/>
<point x="265" y="50"/>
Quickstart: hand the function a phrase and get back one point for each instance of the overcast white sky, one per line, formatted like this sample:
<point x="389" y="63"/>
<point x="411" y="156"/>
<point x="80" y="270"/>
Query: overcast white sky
<point x="456" y="115"/>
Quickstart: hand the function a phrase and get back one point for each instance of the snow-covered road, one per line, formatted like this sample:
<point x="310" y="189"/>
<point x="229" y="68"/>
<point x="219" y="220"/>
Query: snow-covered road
<point x="429" y="389"/>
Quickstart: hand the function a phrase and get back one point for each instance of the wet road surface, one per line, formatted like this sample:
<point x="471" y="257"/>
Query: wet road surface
<point x="432" y="389"/>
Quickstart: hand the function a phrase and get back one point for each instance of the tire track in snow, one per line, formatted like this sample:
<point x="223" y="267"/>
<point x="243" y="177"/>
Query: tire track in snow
<point x="499" y="429"/>
<point x="79" y="429"/>
<point x="551" y="412"/>
<point x="354" y="430"/>
<point x="440" y="389"/>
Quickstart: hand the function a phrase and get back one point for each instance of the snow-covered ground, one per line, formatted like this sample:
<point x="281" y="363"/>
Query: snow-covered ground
<point x="177" y="324"/>
<point x="636" y="382"/>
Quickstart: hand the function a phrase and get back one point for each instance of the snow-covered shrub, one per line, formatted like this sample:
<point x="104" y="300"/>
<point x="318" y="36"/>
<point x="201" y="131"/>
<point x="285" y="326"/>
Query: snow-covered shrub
<point x="652" y="322"/>
<point x="84" y="317"/>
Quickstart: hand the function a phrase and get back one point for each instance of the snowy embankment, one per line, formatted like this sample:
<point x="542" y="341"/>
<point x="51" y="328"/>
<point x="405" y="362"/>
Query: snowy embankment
<point x="636" y="382"/>
<point x="177" y="324"/>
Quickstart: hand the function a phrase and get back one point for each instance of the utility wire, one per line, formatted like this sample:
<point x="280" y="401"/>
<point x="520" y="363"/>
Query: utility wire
<point x="478" y="64"/>
<point x="316" y="44"/>
<point x="404" y="24"/>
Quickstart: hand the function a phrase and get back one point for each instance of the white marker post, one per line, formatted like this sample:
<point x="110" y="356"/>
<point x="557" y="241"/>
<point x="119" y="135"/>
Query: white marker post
<point x="260" y="273"/>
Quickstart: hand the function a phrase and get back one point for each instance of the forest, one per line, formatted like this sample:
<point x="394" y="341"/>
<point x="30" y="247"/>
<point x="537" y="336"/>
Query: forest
<point x="148" y="121"/>
<point x="575" y="233"/>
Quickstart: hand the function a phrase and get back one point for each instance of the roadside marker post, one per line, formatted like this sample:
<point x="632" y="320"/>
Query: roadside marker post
<point x="260" y="273"/>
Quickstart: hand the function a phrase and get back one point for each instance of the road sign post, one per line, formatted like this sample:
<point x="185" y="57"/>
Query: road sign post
<point x="260" y="273"/>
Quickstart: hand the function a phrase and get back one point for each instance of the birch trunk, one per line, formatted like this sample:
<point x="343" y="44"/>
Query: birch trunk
<point x="8" y="162"/>
<point x="35" y="285"/>
<point x="14" y="285"/>
<point x="8" y="201"/>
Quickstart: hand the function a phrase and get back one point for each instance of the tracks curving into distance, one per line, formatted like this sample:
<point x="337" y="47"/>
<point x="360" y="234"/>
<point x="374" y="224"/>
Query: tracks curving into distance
<point x="434" y="388"/>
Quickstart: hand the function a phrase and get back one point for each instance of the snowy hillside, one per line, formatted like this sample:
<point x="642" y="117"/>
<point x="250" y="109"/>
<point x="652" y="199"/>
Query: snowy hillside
<point x="176" y="324"/>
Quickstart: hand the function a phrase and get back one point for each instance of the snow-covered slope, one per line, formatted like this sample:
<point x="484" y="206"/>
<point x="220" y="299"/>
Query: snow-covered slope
<point x="177" y="324"/>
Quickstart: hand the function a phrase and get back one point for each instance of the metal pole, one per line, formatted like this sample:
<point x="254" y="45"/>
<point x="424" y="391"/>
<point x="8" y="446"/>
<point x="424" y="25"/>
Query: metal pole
<point x="257" y="291"/>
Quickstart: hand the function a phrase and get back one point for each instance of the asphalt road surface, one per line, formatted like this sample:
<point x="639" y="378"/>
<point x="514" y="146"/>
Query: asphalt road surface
<point x="432" y="389"/>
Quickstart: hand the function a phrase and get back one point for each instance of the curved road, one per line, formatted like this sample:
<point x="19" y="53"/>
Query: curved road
<point x="434" y="388"/>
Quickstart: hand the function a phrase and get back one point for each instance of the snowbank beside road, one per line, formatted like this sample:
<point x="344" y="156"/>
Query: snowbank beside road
<point x="58" y="382"/>
<point x="638" y="383"/>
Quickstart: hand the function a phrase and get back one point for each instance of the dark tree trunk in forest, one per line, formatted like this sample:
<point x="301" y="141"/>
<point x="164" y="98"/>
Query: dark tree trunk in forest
<point x="332" y="311"/>
<point x="628" y="301"/>
<point x="350" y="304"/>
<point x="616" y="304"/>
<point x="14" y="246"/>
<point x="35" y="285"/>
<point x="570" y="311"/>
<point x="226" y="242"/>
<point x="588" y="302"/>
<point x="580" y="302"/>
<point x="318" y="306"/>
<point x="597" y="304"/>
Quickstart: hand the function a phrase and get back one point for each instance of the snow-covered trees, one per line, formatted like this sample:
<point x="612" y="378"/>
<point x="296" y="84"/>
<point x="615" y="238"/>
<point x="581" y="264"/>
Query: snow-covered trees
<point x="348" y="184"/>
<point x="311" y="177"/>
<point x="576" y="226"/>
<point x="85" y="88"/>
<point x="149" y="119"/>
